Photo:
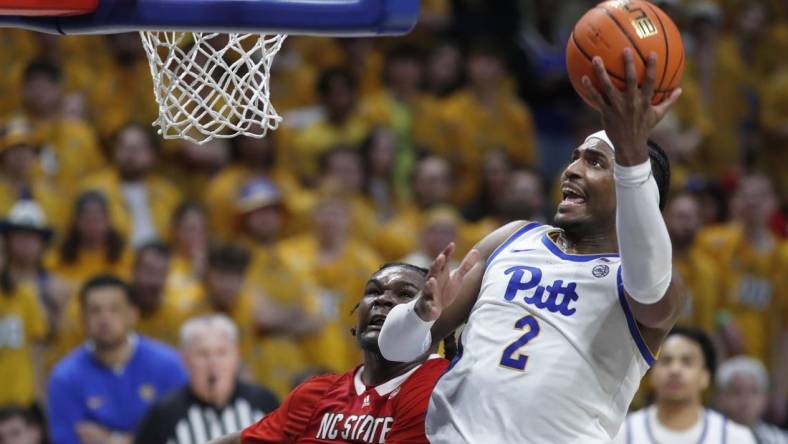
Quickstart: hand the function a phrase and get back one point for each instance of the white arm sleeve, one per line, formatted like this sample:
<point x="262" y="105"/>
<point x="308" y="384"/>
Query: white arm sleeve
<point x="404" y="336"/>
<point x="643" y="241"/>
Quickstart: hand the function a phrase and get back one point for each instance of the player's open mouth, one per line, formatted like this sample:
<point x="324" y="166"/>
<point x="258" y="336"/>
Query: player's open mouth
<point x="376" y="322"/>
<point x="572" y="195"/>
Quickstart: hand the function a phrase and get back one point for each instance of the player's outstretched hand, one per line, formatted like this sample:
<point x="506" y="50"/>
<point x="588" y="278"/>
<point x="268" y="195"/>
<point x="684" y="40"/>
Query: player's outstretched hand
<point x="442" y="285"/>
<point x="629" y="115"/>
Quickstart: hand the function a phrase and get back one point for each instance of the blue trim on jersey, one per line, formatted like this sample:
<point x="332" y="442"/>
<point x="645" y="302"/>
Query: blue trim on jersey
<point x="631" y="323"/>
<point x="724" y="429"/>
<point x="572" y="257"/>
<point x="524" y="229"/>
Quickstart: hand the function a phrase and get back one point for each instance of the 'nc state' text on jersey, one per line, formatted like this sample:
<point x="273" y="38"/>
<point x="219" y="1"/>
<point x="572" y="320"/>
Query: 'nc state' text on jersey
<point x="552" y="302"/>
<point x="364" y="428"/>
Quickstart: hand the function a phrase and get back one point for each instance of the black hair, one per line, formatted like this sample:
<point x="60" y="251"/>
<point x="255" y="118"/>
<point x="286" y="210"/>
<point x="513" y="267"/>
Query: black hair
<point x="421" y="270"/>
<point x="488" y="48"/>
<point x="228" y="257"/>
<point x="329" y="75"/>
<point x="401" y="52"/>
<point x="101" y="281"/>
<point x="699" y="337"/>
<point x="146" y="129"/>
<point x="14" y="411"/>
<point x="69" y="249"/>
<point x="660" y="169"/>
<point x="43" y="67"/>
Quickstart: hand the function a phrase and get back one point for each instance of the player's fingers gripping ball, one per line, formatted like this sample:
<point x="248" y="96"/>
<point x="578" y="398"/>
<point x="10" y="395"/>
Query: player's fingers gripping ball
<point x="613" y="25"/>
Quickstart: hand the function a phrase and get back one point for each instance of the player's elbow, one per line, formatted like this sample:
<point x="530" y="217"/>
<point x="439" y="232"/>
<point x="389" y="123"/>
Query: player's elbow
<point x="662" y="313"/>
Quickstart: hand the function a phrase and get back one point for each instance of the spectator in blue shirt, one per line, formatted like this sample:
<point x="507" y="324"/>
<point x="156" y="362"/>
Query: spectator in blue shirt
<point x="99" y="392"/>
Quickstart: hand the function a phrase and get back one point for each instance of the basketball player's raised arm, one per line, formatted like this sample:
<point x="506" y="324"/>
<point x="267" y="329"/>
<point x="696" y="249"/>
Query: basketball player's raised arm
<point x="444" y="304"/>
<point x="655" y="294"/>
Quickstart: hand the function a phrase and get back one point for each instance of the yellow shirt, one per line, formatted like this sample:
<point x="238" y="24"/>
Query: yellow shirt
<point x="474" y="129"/>
<point x="163" y="198"/>
<point x="770" y="155"/>
<point x="183" y="286"/>
<point x="22" y="322"/>
<point x="701" y="279"/>
<point x="754" y="285"/>
<point x="69" y="153"/>
<point x="17" y="48"/>
<point x="164" y="324"/>
<point x="341" y="281"/>
<point x="278" y="359"/>
<point x="222" y="192"/>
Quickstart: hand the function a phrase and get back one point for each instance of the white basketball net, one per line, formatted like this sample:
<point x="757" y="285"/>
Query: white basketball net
<point x="210" y="85"/>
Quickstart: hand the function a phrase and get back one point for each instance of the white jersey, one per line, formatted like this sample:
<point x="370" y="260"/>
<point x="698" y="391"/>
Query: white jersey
<point x="643" y="427"/>
<point x="550" y="353"/>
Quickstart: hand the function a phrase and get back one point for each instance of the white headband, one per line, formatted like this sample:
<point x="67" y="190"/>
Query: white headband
<point x="600" y="135"/>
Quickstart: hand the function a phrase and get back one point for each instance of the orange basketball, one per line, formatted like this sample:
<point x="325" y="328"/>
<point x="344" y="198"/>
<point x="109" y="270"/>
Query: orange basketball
<point x="613" y="25"/>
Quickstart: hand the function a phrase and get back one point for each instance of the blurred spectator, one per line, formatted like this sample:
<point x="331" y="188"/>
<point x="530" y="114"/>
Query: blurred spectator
<point x="69" y="147"/>
<point x="122" y="88"/>
<point x="253" y="159"/>
<point x="485" y="116"/>
<point x="431" y="184"/>
<point x="141" y="202"/>
<point x="92" y="244"/>
<point x="292" y="78"/>
<point x="160" y="314"/>
<point x="377" y="157"/>
<point x="100" y="392"/>
<point x="439" y="230"/>
<point x="26" y="235"/>
<point x="18" y="161"/>
<point x="339" y="124"/>
<point x="402" y="105"/>
<point x="227" y="290"/>
<point x="752" y="264"/>
<point x="743" y="395"/>
<point x="277" y="357"/>
<point x="189" y="251"/>
<point x="496" y="169"/>
<point x="698" y="271"/>
<point x="215" y="402"/>
<point x="339" y="265"/>
<point x="444" y="70"/>
<point x="18" y="426"/>
<point x="22" y="324"/>
<point x="342" y="167"/>
<point x="684" y="370"/>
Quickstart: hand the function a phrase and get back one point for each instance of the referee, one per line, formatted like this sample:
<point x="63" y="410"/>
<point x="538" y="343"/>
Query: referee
<point x="215" y="402"/>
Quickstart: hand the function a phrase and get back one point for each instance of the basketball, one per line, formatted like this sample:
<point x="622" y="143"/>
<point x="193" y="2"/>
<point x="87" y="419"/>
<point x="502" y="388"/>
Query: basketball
<point x="613" y="25"/>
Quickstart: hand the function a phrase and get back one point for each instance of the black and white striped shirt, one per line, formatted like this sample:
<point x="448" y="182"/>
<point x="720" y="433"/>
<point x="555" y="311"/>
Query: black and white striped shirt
<point x="182" y="418"/>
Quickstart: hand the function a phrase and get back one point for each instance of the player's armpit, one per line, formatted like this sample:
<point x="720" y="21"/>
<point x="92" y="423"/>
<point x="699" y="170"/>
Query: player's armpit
<point x="455" y="314"/>
<point x="657" y="319"/>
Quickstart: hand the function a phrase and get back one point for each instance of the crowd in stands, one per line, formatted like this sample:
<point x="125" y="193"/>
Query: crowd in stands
<point x="390" y="149"/>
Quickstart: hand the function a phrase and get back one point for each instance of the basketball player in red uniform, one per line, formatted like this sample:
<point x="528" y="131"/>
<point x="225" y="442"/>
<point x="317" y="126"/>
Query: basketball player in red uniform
<point x="377" y="402"/>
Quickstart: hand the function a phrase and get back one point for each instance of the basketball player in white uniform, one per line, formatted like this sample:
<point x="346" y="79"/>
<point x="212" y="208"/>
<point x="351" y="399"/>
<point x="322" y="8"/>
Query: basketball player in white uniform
<point x="679" y="378"/>
<point x="562" y="322"/>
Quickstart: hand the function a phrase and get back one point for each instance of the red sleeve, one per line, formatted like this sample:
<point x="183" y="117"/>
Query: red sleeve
<point x="288" y="422"/>
<point x="411" y="406"/>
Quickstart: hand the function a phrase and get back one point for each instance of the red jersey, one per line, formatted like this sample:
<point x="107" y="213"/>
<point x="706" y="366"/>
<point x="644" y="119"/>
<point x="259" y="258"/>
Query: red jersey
<point x="340" y="408"/>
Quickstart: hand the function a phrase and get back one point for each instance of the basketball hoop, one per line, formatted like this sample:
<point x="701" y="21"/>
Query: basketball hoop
<point x="212" y="85"/>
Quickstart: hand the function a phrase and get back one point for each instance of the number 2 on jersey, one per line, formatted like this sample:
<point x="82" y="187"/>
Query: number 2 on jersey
<point x="508" y="359"/>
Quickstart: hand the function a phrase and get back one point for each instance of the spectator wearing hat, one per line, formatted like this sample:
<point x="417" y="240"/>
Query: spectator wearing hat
<point x="19" y="162"/>
<point x="252" y="159"/>
<point x="743" y="395"/>
<point x="26" y="236"/>
<point x="216" y="402"/>
<point x="277" y="357"/>
<point x="23" y="325"/>
<point x="141" y="201"/>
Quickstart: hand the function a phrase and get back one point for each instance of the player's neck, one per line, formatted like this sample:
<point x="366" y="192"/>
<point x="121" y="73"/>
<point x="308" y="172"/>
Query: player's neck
<point x="378" y="370"/>
<point x="587" y="243"/>
<point x="679" y="417"/>
<point x="115" y="357"/>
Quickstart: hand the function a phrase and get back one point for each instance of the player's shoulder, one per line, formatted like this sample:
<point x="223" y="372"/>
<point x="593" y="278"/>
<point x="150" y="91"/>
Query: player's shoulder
<point x="315" y="387"/>
<point x="71" y="367"/>
<point x="157" y="351"/>
<point x="503" y="234"/>
<point x="426" y="376"/>
<point x="733" y="430"/>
